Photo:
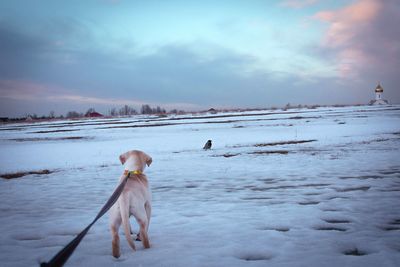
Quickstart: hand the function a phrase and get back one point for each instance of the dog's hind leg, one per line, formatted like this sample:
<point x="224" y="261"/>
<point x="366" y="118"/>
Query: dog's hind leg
<point x="115" y="223"/>
<point x="124" y="208"/>
<point x="147" y="207"/>
<point x="141" y="218"/>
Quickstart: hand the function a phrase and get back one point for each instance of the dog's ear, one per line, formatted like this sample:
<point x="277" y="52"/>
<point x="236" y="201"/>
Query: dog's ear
<point x="147" y="159"/>
<point x="123" y="158"/>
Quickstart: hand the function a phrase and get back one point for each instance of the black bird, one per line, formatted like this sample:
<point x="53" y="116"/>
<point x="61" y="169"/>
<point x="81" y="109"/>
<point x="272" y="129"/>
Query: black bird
<point x="207" y="145"/>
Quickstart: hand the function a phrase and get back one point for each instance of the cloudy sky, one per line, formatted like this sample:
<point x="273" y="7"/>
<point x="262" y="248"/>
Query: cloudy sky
<point x="192" y="55"/>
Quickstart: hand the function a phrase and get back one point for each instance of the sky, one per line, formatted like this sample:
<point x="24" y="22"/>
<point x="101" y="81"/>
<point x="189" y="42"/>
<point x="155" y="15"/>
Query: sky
<point x="74" y="55"/>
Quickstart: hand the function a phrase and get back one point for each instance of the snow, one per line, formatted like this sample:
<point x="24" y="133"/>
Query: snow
<point x="333" y="201"/>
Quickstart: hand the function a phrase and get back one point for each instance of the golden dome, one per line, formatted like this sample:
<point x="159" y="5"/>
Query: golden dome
<point x="379" y="88"/>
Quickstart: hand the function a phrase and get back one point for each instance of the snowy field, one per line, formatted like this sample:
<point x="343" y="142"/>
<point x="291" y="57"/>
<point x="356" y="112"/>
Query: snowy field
<point x="306" y="187"/>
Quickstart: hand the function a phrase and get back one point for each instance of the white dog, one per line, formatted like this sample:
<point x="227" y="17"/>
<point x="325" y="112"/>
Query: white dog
<point x="135" y="200"/>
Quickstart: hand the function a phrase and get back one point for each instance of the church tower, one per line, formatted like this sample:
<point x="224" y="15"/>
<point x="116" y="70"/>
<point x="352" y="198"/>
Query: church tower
<point x="378" y="96"/>
<point x="378" y="92"/>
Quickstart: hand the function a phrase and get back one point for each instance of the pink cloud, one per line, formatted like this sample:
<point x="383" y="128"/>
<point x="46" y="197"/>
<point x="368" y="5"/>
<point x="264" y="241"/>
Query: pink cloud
<point x="346" y="22"/>
<point x="22" y="90"/>
<point x="31" y="91"/>
<point x="347" y="28"/>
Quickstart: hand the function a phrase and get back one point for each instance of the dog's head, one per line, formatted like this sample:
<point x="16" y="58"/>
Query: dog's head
<point x="135" y="160"/>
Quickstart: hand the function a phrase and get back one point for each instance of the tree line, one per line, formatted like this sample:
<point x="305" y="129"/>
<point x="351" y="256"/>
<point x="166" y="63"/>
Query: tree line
<point x="145" y="109"/>
<point x="123" y="111"/>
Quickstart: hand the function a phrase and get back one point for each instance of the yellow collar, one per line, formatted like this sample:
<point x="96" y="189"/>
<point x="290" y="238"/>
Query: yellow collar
<point x="129" y="173"/>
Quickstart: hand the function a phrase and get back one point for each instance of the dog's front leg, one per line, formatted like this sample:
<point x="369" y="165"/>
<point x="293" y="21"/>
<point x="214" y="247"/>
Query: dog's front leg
<point x="115" y="241"/>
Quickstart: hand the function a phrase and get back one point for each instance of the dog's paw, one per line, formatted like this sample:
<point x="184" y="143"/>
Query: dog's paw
<point x="116" y="255"/>
<point x="115" y="250"/>
<point x="120" y="259"/>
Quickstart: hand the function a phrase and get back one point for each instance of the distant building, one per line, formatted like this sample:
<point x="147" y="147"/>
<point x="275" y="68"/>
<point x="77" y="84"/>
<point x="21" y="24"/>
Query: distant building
<point x="378" y="96"/>
<point x="212" y="111"/>
<point x="93" y="115"/>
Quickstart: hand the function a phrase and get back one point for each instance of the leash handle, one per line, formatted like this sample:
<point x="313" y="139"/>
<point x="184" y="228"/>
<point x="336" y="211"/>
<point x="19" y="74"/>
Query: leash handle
<point x="62" y="256"/>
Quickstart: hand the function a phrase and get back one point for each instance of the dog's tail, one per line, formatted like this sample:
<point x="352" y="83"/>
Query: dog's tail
<point x="124" y="208"/>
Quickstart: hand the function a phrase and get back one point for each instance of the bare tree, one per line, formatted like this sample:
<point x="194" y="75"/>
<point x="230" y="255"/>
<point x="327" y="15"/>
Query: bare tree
<point x="127" y="110"/>
<point x="146" y="109"/>
<point x="113" y="112"/>
<point x="159" y="110"/>
<point x="73" y="114"/>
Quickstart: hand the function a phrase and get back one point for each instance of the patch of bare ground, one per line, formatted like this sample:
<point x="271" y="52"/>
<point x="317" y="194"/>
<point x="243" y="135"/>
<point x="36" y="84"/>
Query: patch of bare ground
<point x="330" y="209"/>
<point x="349" y="189"/>
<point x="228" y="155"/>
<point x="38" y="139"/>
<point x="140" y="126"/>
<point x="278" y="125"/>
<point x="298" y="118"/>
<point x="314" y="185"/>
<point x="312" y="194"/>
<point x="292" y="142"/>
<point x="280" y="187"/>
<point x="312" y="151"/>
<point x="395" y="222"/>
<point x="256" y="198"/>
<point x="378" y="140"/>
<point x="282" y="229"/>
<point x="305" y="203"/>
<point x="21" y="174"/>
<point x="252" y="256"/>
<point x="390" y="172"/>
<point x="334" y="221"/>
<point x="12" y="129"/>
<point x="278" y="229"/>
<point x="280" y="143"/>
<point x="390" y="228"/>
<point x="361" y="177"/>
<point x="55" y="131"/>
<point x="267" y="152"/>
<point x="394" y="189"/>
<point x="268" y="180"/>
<point x="330" y="228"/>
<point x="354" y="252"/>
<point x="393" y="225"/>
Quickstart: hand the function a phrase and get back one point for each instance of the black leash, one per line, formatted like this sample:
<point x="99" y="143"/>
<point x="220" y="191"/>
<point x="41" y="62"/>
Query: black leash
<point x="62" y="256"/>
